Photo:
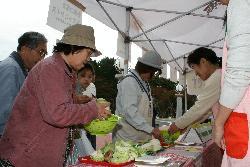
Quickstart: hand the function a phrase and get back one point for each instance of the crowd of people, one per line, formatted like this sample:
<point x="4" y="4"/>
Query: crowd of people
<point x="43" y="101"/>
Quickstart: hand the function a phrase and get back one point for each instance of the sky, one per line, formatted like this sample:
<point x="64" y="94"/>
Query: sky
<point x="17" y="17"/>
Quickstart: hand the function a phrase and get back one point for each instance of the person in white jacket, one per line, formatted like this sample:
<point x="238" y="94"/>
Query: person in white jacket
<point x="206" y="66"/>
<point x="134" y="101"/>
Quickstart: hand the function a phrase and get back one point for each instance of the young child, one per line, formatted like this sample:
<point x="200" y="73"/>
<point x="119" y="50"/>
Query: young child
<point x="85" y="91"/>
<point x="86" y="77"/>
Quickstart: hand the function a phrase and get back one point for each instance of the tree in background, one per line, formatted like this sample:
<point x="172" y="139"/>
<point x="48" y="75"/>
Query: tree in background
<point x="163" y="91"/>
<point x="105" y="81"/>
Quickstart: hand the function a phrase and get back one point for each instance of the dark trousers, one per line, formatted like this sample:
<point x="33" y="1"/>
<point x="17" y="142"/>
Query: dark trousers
<point x="92" y="140"/>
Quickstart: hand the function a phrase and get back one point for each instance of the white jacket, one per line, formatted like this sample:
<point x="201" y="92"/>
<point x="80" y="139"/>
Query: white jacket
<point x="237" y="73"/>
<point x="207" y="98"/>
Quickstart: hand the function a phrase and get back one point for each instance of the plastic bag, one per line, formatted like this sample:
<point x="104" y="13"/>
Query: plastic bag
<point x="82" y="147"/>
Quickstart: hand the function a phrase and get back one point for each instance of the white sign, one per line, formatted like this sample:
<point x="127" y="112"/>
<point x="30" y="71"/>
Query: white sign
<point x="121" y="48"/>
<point x="199" y="135"/>
<point x="63" y="14"/>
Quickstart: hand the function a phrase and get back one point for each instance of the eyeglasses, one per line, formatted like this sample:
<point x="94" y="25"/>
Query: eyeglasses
<point x="90" y="52"/>
<point x="42" y="53"/>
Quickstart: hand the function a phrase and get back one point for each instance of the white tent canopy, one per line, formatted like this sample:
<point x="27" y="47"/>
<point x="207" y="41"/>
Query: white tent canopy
<point x="173" y="28"/>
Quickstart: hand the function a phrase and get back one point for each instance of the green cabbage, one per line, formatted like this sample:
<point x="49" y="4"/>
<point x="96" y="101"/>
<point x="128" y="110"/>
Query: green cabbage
<point x="97" y="156"/>
<point x="152" y="146"/>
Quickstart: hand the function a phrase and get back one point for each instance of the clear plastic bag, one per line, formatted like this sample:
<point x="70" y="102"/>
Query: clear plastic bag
<point x="82" y="147"/>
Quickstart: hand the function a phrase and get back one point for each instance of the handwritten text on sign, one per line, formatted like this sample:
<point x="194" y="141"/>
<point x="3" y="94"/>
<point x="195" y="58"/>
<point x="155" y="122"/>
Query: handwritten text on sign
<point x="63" y="14"/>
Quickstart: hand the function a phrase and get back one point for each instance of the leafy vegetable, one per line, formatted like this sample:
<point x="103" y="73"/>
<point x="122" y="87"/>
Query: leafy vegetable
<point x="169" y="138"/>
<point x="98" y="127"/>
<point x="108" y="147"/>
<point x="118" y="152"/>
<point x="97" y="156"/>
<point x="121" y="151"/>
<point x="151" y="147"/>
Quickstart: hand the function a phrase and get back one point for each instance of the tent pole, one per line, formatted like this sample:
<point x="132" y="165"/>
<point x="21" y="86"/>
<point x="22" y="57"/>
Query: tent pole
<point x="144" y="33"/>
<point x="171" y="20"/>
<point x="165" y="43"/>
<point x="208" y="45"/>
<point x="110" y="18"/>
<point x="177" y="12"/>
<point x="127" y="41"/>
<point x="179" y="42"/>
<point x="162" y="11"/>
<point x="113" y="3"/>
<point x="185" y="89"/>
<point x="185" y="86"/>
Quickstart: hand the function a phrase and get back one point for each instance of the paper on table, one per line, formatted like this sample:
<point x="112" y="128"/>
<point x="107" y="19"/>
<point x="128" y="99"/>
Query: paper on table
<point x="185" y="143"/>
<point x="152" y="159"/>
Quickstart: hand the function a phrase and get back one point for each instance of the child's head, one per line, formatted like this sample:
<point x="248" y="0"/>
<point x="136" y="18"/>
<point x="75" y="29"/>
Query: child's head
<point x="86" y="75"/>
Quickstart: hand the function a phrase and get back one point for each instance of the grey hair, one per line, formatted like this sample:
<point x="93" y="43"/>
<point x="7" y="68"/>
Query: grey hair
<point x="31" y="39"/>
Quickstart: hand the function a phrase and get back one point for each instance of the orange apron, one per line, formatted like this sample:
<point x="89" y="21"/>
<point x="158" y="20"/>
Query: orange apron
<point x="236" y="135"/>
<point x="236" y="130"/>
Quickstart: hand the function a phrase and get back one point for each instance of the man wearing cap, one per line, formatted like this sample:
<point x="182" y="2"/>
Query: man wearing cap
<point x="134" y="101"/>
<point x="32" y="47"/>
<point x="39" y="133"/>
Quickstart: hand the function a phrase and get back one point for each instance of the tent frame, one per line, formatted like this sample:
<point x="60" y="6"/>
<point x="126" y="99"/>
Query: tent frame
<point x="128" y="39"/>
